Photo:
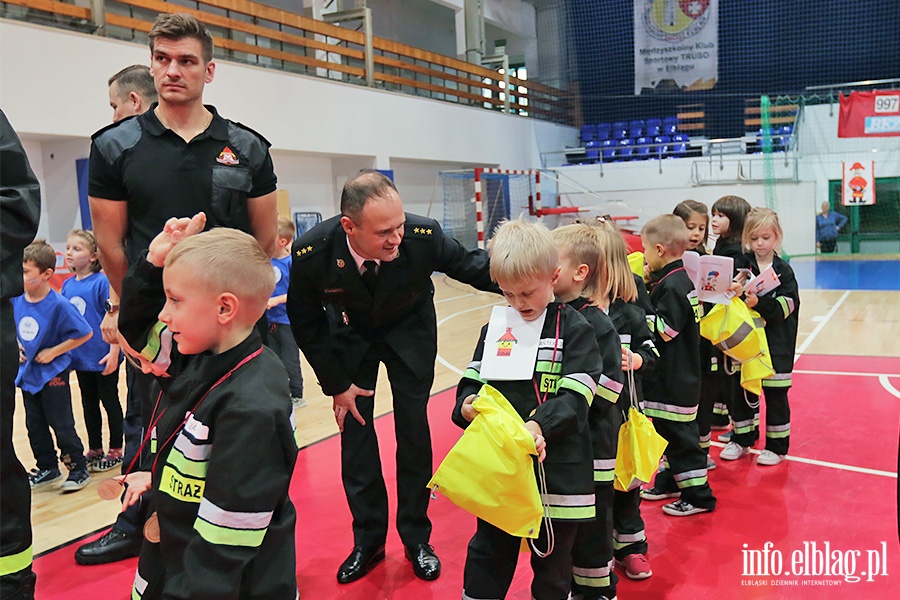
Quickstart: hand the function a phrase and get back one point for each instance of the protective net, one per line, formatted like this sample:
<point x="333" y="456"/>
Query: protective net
<point x="504" y="196"/>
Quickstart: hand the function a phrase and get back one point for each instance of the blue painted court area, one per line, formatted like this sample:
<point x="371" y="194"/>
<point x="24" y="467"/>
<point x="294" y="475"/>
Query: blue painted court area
<point x="847" y="274"/>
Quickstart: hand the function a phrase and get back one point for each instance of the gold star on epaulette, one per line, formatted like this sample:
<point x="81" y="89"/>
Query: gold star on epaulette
<point x="416" y="230"/>
<point x="303" y="251"/>
<point x="309" y="248"/>
<point x="428" y="231"/>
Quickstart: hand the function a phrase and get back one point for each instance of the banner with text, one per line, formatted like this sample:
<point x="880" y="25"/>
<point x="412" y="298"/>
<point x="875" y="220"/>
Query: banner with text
<point x="676" y="45"/>
<point x="868" y="114"/>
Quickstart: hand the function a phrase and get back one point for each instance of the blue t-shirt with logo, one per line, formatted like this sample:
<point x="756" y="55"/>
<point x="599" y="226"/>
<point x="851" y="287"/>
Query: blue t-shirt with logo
<point x="89" y="296"/>
<point x="41" y="325"/>
<point x="282" y="268"/>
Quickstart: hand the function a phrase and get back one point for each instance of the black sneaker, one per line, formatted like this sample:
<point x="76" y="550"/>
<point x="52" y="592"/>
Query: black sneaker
<point x="681" y="508"/>
<point x="655" y="493"/>
<point x="76" y="480"/>
<point x="111" y="460"/>
<point x="39" y="478"/>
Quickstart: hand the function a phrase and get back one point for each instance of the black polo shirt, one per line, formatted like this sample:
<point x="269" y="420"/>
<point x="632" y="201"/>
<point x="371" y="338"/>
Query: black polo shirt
<point x="139" y="161"/>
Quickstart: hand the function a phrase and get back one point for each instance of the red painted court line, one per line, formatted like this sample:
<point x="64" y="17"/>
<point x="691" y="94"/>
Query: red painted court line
<point x="849" y="420"/>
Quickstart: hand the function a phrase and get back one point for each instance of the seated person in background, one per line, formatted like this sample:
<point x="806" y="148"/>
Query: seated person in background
<point x="554" y="402"/>
<point x="223" y="445"/>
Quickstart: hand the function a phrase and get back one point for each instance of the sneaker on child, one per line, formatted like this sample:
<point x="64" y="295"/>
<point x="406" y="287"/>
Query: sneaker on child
<point x="298" y="401"/>
<point x="769" y="458"/>
<point x="39" y="478"/>
<point x="92" y="456"/>
<point x="636" y="566"/>
<point x="733" y="451"/>
<point x="655" y="493"/>
<point x="725" y="437"/>
<point x="76" y="480"/>
<point x="710" y="463"/>
<point x="680" y="508"/>
<point x="111" y="460"/>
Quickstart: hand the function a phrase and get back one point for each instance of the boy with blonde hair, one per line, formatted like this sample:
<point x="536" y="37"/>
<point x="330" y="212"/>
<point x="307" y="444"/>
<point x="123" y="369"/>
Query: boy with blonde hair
<point x="49" y="327"/>
<point x="222" y="444"/>
<point x="280" y="338"/>
<point x="672" y="391"/>
<point x="581" y="278"/>
<point x="553" y="401"/>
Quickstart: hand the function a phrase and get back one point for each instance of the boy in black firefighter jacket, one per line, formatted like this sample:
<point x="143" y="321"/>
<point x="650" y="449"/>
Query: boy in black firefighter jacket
<point x="672" y="391"/>
<point x="553" y="399"/>
<point x="780" y="309"/>
<point x="222" y="448"/>
<point x="581" y="264"/>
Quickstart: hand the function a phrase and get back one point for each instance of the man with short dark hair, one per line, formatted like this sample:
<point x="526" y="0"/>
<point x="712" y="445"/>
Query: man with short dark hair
<point x="131" y="92"/>
<point x="361" y="294"/>
<point x="177" y="159"/>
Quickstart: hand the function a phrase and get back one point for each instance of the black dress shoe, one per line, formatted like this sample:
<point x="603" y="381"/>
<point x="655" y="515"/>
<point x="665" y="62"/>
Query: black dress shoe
<point x="114" y="546"/>
<point x="424" y="561"/>
<point x="360" y="562"/>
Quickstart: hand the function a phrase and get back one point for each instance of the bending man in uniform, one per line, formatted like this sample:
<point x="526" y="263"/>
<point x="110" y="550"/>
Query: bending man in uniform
<point x="361" y="294"/>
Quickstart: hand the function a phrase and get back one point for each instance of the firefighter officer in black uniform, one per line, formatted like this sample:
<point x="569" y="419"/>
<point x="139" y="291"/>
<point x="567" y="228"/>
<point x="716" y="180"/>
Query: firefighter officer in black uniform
<point x="361" y="294"/>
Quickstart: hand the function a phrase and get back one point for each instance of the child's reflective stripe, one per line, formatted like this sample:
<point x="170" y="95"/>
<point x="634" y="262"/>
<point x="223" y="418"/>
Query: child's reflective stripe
<point x="569" y="506"/>
<point x="593" y="578"/>
<point x="778" y="431"/>
<point x="670" y="412"/>
<point x="691" y="478"/>
<point x="609" y="389"/>
<point x="604" y="470"/>
<point x="473" y="371"/>
<point x="231" y="528"/>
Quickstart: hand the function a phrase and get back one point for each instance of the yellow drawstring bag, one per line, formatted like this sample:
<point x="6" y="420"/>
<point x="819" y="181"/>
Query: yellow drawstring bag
<point x="489" y="472"/>
<point x="739" y="332"/>
<point x="636" y="262"/>
<point x="640" y="448"/>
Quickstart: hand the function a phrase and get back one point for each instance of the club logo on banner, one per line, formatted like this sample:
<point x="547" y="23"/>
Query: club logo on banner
<point x="858" y="187"/>
<point x="676" y="45"/>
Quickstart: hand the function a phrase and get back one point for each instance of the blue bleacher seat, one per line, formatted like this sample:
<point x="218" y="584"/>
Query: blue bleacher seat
<point x="653" y="127"/>
<point x="625" y="149"/>
<point x="619" y="130"/>
<point x="670" y="126"/>
<point x="588" y="133"/>
<point x="636" y="128"/>
<point x="642" y="151"/>
<point x="662" y="146"/>
<point x="680" y="146"/>
<point x="608" y="150"/>
<point x="602" y="131"/>
<point x="592" y="151"/>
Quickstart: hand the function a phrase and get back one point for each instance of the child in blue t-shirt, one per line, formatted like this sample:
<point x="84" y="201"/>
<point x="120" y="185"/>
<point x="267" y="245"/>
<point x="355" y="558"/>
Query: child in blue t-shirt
<point x="96" y="363"/>
<point x="48" y="328"/>
<point x="280" y="338"/>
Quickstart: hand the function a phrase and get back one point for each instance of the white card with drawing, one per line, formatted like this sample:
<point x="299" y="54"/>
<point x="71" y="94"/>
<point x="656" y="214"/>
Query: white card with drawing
<point x="510" y="346"/>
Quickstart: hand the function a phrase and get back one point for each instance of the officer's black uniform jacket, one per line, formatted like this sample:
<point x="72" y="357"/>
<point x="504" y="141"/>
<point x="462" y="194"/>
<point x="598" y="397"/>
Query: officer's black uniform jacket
<point x="335" y="318"/>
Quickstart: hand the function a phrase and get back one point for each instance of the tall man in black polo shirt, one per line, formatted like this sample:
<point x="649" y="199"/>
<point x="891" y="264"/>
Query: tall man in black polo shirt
<point x="361" y="294"/>
<point x="175" y="160"/>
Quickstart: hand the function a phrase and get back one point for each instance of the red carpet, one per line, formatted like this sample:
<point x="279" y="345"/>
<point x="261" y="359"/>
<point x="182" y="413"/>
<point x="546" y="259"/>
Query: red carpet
<point x="849" y="420"/>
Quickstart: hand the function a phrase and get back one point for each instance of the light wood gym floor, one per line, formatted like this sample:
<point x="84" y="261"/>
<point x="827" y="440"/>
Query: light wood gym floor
<point x="837" y="322"/>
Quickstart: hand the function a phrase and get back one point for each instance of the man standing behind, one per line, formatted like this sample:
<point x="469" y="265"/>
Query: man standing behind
<point x="20" y="211"/>
<point x="131" y="92"/>
<point x="177" y="159"/>
<point x="361" y="294"/>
